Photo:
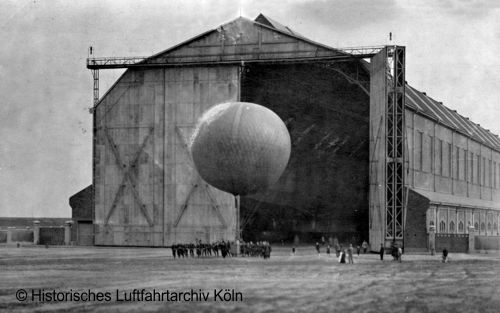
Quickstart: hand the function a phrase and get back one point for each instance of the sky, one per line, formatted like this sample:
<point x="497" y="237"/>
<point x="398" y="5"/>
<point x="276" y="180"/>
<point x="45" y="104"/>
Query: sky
<point x="46" y="91"/>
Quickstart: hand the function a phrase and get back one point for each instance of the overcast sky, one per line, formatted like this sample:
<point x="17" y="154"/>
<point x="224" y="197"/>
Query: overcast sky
<point x="46" y="90"/>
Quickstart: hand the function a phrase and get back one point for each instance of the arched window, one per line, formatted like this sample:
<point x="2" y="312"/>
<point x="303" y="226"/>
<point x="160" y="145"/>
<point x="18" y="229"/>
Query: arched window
<point x="442" y="227"/>
<point x="483" y="228"/>
<point x="452" y="227"/>
<point x="476" y="226"/>
<point x="461" y="227"/>
<point x="489" y="226"/>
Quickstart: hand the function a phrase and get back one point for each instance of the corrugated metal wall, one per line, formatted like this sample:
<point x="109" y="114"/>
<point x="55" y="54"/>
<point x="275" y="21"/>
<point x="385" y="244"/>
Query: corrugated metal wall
<point x="147" y="190"/>
<point x="378" y="103"/>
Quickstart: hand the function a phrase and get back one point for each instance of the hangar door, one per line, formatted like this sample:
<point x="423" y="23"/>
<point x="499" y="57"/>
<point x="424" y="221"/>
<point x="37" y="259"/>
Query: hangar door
<point x="195" y="210"/>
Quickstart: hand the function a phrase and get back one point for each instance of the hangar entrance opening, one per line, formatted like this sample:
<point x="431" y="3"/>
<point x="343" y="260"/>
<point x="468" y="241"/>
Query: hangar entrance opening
<point x="324" y="189"/>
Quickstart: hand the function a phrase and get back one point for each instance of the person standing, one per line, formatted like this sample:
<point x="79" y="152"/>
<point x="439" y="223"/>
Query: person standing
<point x="268" y="250"/>
<point x="342" y="255"/>
<point x="174" y="250"/>
<point x="394" y="252"/>
<point x="317" y="247"/>
<point x="364" y="245"/>
<point x="445" y="255"/>
<point x="358" y="248"/>
<point x="350" y="252"/>
<point x="328" y="250"/>
<point x="381" y="252"/>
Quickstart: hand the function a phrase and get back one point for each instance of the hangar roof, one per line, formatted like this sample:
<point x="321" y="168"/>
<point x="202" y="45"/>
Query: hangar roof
<point x="425" y="105"/>
<point x="454" y="200"/>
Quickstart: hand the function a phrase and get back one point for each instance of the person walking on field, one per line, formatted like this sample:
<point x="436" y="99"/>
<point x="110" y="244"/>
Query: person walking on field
<point x="350" y="252"/>
<point x="381" y="252"/>
<point x="317" y="247"/>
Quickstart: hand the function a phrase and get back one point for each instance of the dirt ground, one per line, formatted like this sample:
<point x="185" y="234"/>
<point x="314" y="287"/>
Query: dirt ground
<point x="305" y="282"/>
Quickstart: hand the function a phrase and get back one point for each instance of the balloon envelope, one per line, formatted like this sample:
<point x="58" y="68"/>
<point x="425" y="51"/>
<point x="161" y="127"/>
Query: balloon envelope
<point x="240" y="147"/>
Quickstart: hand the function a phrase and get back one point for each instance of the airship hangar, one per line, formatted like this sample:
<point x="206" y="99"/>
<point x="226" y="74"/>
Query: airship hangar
<point x="372" y="158"/>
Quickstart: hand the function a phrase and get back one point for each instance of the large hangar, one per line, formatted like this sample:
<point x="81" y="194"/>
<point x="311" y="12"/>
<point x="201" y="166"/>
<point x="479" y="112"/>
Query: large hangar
<point x="372" y="158"/>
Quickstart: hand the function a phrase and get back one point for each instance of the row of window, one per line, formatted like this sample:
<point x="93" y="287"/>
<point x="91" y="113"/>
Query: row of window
<point x="447" y="160"/>
<point x="442" y="227"/>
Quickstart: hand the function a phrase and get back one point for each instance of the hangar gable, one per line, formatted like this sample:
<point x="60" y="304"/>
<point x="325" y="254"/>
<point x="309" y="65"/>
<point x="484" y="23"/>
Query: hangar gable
<point x="246" y="40"/>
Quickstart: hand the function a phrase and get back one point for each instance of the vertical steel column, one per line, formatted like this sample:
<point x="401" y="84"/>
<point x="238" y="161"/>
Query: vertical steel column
<point x="395" y="143"/>
<point x="95" y="75"/>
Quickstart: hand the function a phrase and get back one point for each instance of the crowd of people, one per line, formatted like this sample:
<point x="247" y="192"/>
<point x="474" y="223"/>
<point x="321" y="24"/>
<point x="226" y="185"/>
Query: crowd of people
<point x="263" y="249"/>
<point x="259" y="249"/>
<point x="344" y="255"/>
<point x="199" y="249"/>
<point x="221" y="248"/>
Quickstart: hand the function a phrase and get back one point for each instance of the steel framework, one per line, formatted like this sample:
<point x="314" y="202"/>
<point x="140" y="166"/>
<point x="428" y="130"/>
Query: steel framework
<point x="95" y="64"/>
<point x="395" y="152"/>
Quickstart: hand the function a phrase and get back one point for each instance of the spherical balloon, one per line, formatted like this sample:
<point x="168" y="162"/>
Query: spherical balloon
<point x="240" y="147"/>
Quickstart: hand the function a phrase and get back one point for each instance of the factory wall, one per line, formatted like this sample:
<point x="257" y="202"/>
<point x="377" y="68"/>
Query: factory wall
<point x="445" y="161"/>
<point x="147" y="191"/>
<point x="324" y="189"/>
<point x="460" y="177"/>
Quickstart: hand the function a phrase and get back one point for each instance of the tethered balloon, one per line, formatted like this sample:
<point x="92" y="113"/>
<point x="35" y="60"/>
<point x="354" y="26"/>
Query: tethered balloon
<point x="240" y="147"/>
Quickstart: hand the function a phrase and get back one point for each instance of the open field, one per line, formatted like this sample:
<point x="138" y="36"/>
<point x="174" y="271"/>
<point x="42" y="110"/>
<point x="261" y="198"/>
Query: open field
<point x="301" y="283"/>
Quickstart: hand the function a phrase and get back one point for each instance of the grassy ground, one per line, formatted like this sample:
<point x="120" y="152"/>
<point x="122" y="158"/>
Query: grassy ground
<point x="300" y="283"/>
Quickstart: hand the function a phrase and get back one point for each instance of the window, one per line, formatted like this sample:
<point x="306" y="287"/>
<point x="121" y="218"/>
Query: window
<point x="471" y="168"/>
<point x="476" y="226"/>
<point x="483" y="171"/>
<point x="478" y="174"/>
<point x="489" y="173"/>
<point x="420" y="148"/>
<point x="452" y="227"/>
<point x="497" y="171"/>
<point x="450" y="161"/>
<point x="439" y="157"/>
<point x="495" y="227"/>
<point x="489" y="226"/>
<point x="494" y="174"/>
<point x="442" y="227"/>
<point x="431" y="154"/>
<point x="461" y="227"/>
<point x="463" y="165"/>
<point x="457" y="156"/>
<point x="483" y="228"/>
<point x="498" y="175"/>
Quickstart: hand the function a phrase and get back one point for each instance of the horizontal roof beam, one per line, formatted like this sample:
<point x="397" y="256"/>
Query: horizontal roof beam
<point x="113" y="63"/>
